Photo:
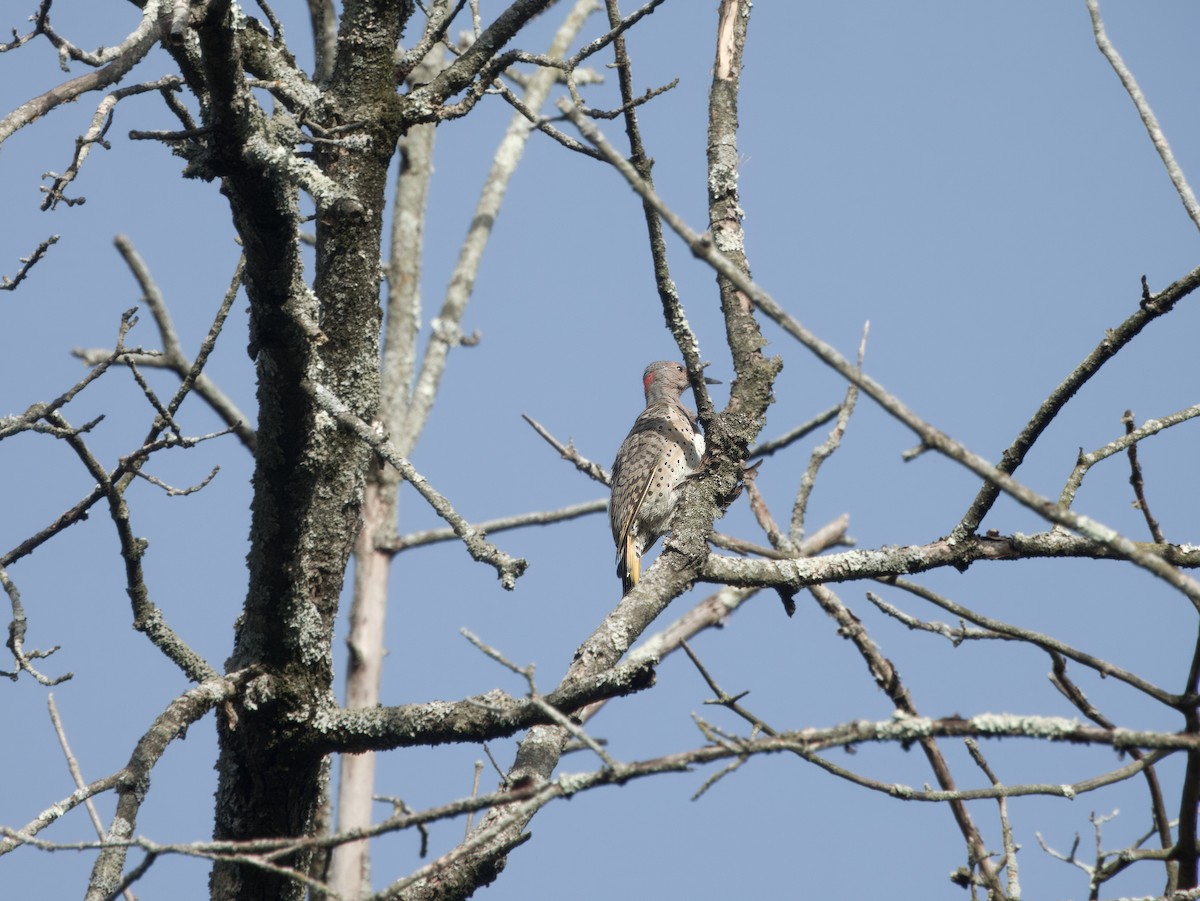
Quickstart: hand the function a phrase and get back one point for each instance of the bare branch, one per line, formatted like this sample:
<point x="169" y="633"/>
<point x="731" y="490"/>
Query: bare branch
<point x="617" y="28"/>
<point x="725" y="214"/>
<point x="124" y="57"/>
<point x="39" y="27"/>
<point x="668" y="293"/>
<point x="1157" y="138"/>
<point x="14" y="838"/>
<point x="16" y="638"/>
<point x="1149" y="309"/>
<point x="542" y="124"/>
<point x="1125" y="442"/>
<point x="487" y="527"/>
<point x="147" y="617"/>
<point x="507" y="568"/>
<point x="569" y="453"/>
<point x="131" y="781"/>
<point x="77" y="775"/>
<point x="27" y="263"/>
<point x="173" y="356"/>
<point x="517" y="803"/>
<point x="72" y="763"/>
<point x="1074" y="694"/>
<point x="1009" y="862"/>
<point x="131" y="787"/>
<point x="446" y="331"/>
<point x="101" y="121"/>
<point x="766" y="521"/>
<point x="323" y="17"/>
<point x="1046" y="643"/>
<point x="767" y="448"/>
<point x="920" y="558"/>
<point x="954" y="635"/>
<point x="440" y="17"/>
<point x="480" y="718"/>
<point x="552" y="714"/>
<point x="1139" y="484"/>
<point x="887" y="677"/>
<point x="824" y="451"/>
<point x="191" y="373"/>
<point x="425" y="102"/>
<point x="714" y="611"/>
<point x="402" y="327"/>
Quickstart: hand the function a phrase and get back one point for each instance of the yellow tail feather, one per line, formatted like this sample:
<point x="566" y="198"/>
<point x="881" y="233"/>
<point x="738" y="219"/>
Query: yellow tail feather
<point x="632" y="568"/>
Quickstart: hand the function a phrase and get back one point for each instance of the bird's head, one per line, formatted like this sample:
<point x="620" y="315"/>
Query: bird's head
<point x="667" y="379"/>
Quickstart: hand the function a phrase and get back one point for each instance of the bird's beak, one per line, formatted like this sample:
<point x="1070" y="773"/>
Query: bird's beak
<point x="711" y="381"/>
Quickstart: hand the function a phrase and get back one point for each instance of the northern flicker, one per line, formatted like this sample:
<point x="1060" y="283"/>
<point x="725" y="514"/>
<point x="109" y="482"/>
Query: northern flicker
<point x="662" y="449"/>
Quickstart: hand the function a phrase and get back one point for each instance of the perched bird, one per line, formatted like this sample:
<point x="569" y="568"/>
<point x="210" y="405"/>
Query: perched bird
<point x="662" y="449"/>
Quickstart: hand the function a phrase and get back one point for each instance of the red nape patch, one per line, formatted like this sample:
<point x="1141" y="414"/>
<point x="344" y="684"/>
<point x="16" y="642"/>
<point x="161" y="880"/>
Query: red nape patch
<point x="647" y="380"/>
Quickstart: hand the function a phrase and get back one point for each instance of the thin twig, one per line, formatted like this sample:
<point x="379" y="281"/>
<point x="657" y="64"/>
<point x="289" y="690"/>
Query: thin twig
<point x="72" y="763"/>
<point x="173" y="356"/>
<point x="826" y="449"/>
<point x="1158" y="807"/>
<point x="1131" y="437"/>
<point x="1051" y="645"/>
<point x="668" y="293"/>
<point x="780" y="541"/>
<point x="17" y="627"/>
<point x="101" y="121"/>
<point x="39" y="20"/>
<point x="508" y="568"/>
<point x="147" y="616"/>
<point x="568" y="452"/>
<point x="77" y="775"/>
<point x="887" y="677"/>
<point x="1157" y="138"/>
<point x="124" y="57"/>
<point x="954" y="635"/>
<point x="446" y="333"/>
<point x="474" y="794"/>
<point x="525" y="671"/>
<point x="490" y="526"/>
<point x="767" y="448"/>
<point x="1009" y="861"/>
<point x="27" y="263"/>
<point x="1139" y="484"/>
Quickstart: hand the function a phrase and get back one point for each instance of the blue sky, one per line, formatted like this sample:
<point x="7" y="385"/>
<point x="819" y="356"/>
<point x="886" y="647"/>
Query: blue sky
<point x="969" y="178"/>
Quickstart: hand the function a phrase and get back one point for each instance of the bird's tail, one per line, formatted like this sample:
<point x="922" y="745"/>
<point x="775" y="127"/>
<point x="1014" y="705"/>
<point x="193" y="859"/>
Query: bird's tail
<point x="629" y="566"/>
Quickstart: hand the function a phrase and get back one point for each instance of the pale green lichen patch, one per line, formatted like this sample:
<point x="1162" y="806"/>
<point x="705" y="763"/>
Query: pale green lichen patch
<point x="1051" y="727"/>
<point x="906" y="728"/>
<point x="573" y="782"/>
